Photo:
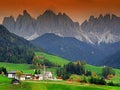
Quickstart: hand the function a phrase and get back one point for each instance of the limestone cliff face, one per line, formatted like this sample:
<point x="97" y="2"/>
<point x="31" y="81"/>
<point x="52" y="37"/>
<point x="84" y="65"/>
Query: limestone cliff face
<point x="9" y="22"/>
<point x="24" y="25"/>
<point x="95" y="30"/>
<point x="104" y="29"/>
<point x="48" y="22"/>
<point x="59" y="24"/>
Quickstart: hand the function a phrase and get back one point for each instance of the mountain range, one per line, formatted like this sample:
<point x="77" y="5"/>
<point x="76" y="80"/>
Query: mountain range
<point x="48" y="22"/>
<point x="104" y="29"/>
<point x="95" y="30"/>
<point x="95" y="40"/>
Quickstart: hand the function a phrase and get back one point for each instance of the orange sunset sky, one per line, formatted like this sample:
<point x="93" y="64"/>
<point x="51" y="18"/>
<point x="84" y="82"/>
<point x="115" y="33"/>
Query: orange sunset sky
<point x="78" y="10"/>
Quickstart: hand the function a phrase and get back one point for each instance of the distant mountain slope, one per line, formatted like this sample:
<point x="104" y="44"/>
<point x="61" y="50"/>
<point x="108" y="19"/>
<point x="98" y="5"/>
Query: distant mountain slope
<point x="67" y="47"/>
<point x="14" y="49"/>
<point x="113" y="60"/>
<point x="73" y="49"/>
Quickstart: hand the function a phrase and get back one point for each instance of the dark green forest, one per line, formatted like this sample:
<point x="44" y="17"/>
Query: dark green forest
<point x="15" y="49"/>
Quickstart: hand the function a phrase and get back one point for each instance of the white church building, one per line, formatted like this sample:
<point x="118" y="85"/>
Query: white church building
<point x="46" y="75"/>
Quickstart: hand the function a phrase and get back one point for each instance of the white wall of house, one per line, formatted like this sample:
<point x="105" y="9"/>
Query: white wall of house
<point x="10" y="75"/>
<point x="22" y="78"/>
<point x="40" y="77"/>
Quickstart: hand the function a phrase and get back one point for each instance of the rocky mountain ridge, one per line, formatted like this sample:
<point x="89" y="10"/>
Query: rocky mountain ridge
<point x="48" y="22"/>
<point x="95" y="30"/>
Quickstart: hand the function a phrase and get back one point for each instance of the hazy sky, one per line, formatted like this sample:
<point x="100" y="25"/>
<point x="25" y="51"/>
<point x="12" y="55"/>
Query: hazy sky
<point x="78" y="10"/>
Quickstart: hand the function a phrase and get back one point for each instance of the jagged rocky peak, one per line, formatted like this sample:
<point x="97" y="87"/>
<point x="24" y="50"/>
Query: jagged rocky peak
<point x="25" y="15"/>
<point x="100" y="16"/>
<point x="67" y="17"/>
<point x="49" y="12"/>
<point x="115" y="18"/>
<point x="92" y="19"/>
<point x="10" y="18"/>
<point x="9" y="23"/>
<point x="107" y="17"/>
<point x="105" y="28"/>
<point x="60" y="14"/>
<point x="25" y="12"/>
<point x="48" y="22"/>
<point x="25" y="25"/>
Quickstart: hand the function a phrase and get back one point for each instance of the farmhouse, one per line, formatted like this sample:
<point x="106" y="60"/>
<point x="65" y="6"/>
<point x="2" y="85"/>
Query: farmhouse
<point x="22" y="77"/>
<point x="28" y="76"/>
<point x="12" y="74"/>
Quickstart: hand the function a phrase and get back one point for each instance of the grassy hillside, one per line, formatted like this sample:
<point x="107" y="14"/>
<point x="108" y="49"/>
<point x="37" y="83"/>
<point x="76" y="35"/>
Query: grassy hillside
<point x="11" y="67"/>
<point x="54" y="59"/>
<point x="61" y="61"/>
<point x="98" y="69"/>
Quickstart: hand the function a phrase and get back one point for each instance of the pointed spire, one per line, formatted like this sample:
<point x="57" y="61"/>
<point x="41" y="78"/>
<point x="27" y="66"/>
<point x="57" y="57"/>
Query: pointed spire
<point x="44" y="69"/>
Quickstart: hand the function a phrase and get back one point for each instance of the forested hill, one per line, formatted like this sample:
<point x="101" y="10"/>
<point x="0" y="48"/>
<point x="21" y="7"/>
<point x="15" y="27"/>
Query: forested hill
<point x="14" y="49"/>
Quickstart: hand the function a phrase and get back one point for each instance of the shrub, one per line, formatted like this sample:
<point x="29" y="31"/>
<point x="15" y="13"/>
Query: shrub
<point x="100" y="81"/>
<point x="107" y="71"/>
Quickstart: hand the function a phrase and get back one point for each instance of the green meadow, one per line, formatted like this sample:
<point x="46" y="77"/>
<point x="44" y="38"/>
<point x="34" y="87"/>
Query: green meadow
<point x="5" y="84"/>
<point x="52" y="58"/>
<point x="98" y="69"/>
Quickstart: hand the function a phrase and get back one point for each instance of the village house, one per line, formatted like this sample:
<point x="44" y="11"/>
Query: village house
<point x="12" y="74"/>
<point x="28" y="76"/>
<point x="22" y="78"/>
<point x="40" y="77"/>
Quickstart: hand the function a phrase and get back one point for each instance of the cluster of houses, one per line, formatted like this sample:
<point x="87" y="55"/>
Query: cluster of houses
<point x="46" y="75"/>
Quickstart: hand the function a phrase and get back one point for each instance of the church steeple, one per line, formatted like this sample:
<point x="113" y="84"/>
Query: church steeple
<point x="44" y="70"/>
